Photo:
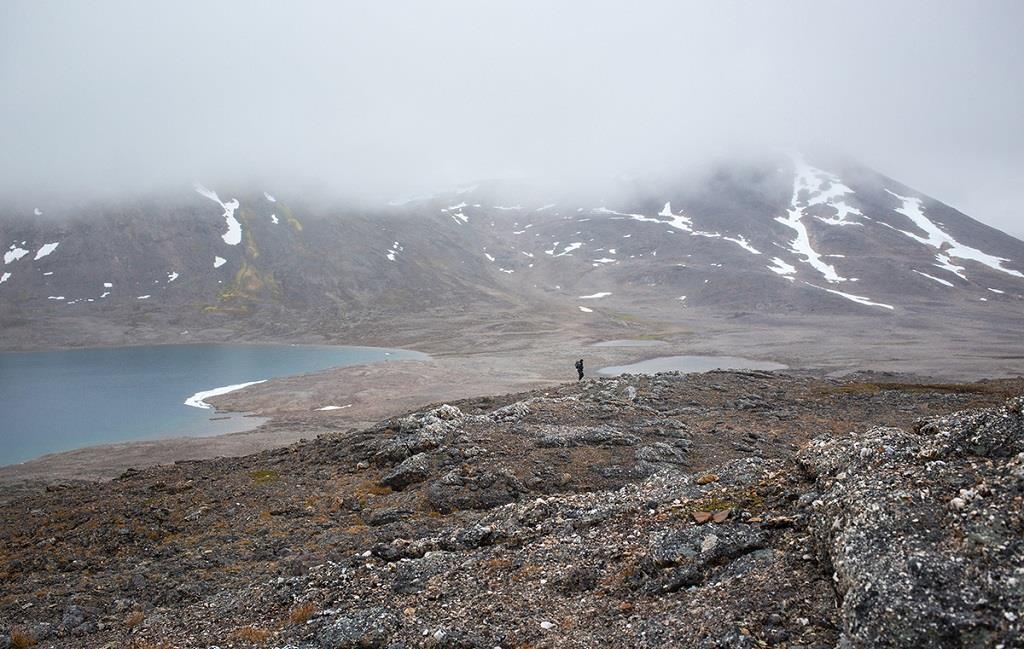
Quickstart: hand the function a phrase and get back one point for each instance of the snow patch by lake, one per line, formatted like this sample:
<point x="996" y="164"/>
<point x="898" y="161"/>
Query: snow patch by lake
<point x="197" y="400"/>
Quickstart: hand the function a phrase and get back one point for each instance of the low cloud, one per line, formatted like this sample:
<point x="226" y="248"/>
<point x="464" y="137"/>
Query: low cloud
<point x="394" y="98"/>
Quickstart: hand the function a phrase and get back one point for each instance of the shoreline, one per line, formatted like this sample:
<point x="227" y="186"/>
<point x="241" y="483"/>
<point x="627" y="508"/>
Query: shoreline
<point x="517" y="362"/>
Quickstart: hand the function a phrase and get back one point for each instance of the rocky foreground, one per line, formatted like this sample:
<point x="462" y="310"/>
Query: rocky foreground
<point x="728" y="509"/>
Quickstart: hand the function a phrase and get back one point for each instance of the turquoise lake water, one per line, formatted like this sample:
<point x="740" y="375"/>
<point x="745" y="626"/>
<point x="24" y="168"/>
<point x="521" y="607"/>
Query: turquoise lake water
<point x="62" y="400"/>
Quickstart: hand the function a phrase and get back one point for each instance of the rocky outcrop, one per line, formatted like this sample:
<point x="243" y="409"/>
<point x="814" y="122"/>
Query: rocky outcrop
<point x="608" y="513"/>
<point x="924" y="530"/>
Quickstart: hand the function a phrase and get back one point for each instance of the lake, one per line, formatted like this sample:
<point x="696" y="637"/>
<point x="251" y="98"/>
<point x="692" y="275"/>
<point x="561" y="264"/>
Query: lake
<point x="62" y="400"/>
<point x="687" y="364"/>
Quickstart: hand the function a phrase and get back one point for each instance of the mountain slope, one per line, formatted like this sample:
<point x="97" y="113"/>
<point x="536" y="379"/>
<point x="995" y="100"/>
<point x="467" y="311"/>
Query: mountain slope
<point x="783" y="236"/>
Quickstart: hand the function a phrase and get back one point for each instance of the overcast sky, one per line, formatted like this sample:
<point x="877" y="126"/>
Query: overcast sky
<point x="395" y="97"/>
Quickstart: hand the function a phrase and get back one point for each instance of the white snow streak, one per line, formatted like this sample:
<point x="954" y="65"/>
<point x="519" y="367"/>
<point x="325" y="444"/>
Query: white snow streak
<point x="171" y="276"/>
<point x="269" y="197"/>
<point x="219" y="261"/>
<point x="347" y="405"/>
<point x="4" y="277"/>
<point x="234" y="234"/>
<point x="14" y="254"/>
<point x="197" y="400"/>
<point x="585" y="309"/>
<point x="46" y="249"/>
<point x="576" y="245"/>
<point x="274" y="219"/>
<point x="947" y="246"/>
<point x="743" y="243"/>
<point x="143" y="297"/>
<point x="393" y="251"/>
<point x="595" y="296"/>
<point x="806" y="178"/>
<point x="859" y="299"/>
<point x="934" y="279"/>
<point x="782" y="268"/>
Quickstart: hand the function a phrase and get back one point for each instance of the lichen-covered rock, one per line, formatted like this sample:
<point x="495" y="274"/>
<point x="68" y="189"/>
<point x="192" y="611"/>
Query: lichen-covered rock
<point x="925" y="531"/>
<point x="464" y="488"/>
<point x="366" y="629"/>
<point x="411" y="470"/>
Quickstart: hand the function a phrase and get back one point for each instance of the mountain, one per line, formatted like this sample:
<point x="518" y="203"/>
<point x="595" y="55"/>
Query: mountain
<point x="781" y="236"/>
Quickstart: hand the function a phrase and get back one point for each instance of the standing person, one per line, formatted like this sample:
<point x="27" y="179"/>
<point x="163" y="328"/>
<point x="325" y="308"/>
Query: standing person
<point x="579" y="368"/>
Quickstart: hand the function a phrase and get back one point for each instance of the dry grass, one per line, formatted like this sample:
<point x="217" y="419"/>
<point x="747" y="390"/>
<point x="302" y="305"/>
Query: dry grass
<point x="251" y="634"/>
<point x="1000" y="388"/>
<point x="264" y="476"/>
<point x="302" y="612"/>
<point x="134" y="619"/>
<point x="21" y="639"/>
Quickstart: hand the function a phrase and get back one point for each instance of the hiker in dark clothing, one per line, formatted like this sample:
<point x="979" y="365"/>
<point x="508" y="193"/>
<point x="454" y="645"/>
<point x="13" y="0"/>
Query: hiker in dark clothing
<point x="579" y="368"/>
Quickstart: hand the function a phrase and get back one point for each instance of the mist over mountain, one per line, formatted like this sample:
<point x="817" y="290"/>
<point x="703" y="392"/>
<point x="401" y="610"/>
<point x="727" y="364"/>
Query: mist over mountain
<point x="376" y="101"/>
<point x="790" y="235"/>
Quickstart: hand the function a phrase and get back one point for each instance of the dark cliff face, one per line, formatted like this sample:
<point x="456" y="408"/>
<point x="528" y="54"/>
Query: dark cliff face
<point x="779" y="237"/>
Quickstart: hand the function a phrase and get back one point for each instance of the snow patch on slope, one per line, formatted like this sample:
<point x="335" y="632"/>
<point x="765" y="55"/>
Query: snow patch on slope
<point x="806" y="179"/>
<point x="948" y="247"/>
<point x="47" y="249"/>
<point x="934" y="279"/>
<point x="780" y="267"/>
<point x="859" y="299"/>
<point x="14" y="254"/>
<point x="233" y="236"/>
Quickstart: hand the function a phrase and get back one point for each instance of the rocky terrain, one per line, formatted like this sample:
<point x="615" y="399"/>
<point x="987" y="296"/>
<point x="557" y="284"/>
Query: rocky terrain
<point x="726" y="509"/>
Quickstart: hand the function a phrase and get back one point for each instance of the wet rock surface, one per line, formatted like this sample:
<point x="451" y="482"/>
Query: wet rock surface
<point x="729" y="509"/>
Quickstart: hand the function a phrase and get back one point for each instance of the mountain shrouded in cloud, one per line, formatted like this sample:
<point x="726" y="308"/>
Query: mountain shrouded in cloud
<point x="387" y="99"/>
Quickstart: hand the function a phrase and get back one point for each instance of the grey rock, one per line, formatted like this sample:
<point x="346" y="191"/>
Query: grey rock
<point x="411" y="470"/>
<point x="366" y="629"/>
